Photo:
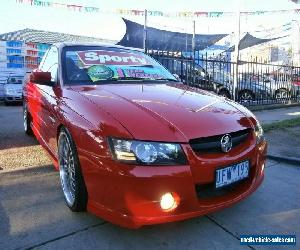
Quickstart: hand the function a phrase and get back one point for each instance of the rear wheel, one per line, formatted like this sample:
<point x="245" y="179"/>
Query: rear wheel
<point x="27" y="121"/>
<point x="71" y="178"/>
<point x="281" y="94"/>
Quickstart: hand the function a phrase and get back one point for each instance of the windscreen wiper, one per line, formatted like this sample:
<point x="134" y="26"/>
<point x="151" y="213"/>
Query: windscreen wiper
<point x="166" y="79"/>
<point x="143" y="66"/>
<point x="135" y="79"/>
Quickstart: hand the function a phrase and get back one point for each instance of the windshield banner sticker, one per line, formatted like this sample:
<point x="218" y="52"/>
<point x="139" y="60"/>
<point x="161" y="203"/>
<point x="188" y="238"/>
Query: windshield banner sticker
<point x="141" y="73"/>
<point x="103" y="72"/>
<point x="100" y="72"/>
<point x="101" y="57"/>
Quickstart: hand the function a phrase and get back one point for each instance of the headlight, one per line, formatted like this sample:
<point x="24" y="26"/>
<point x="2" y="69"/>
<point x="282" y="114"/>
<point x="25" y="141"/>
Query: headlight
<point x="9" y="91"/>
<point x="259" y="132"/>
<point x="147" y="153"/>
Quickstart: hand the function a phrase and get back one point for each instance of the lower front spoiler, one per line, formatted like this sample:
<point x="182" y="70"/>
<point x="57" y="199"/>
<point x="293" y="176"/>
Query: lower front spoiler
<point x="12" y="99"/>
<point x="134" y="222"/>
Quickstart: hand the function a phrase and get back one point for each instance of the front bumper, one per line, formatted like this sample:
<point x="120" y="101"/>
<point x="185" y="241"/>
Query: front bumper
<point x="130" y="195"/>
<point x="11" y="98"/>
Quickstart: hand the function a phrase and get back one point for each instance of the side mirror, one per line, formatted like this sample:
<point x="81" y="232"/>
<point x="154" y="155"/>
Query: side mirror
<point x="177" y="77"/>
<point x="43" y="78"/>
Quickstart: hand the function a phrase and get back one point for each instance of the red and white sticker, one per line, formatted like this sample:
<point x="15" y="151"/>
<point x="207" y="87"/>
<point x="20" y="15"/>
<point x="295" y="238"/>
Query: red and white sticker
<point x="100" y="57"/>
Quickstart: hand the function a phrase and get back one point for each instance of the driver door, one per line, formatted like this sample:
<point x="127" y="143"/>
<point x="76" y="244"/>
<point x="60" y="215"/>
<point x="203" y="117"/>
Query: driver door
<point x="49" y="99"/>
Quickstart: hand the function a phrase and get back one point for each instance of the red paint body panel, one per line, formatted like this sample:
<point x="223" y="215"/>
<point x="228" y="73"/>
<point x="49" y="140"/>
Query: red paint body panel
<point x="129" y="195"/>
<point x="297" y="82"/>
<point x="171" y="113"/>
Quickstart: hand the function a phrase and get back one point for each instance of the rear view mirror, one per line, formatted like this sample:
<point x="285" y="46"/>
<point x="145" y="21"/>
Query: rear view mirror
<point x="177" y="77"/>
<point x="43" y="78"/>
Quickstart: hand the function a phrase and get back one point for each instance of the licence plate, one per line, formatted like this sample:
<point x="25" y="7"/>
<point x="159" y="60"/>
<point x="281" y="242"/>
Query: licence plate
<point x="231" y="174"/>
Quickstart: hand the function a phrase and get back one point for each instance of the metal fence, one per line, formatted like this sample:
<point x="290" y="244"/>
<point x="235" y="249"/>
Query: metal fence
<point x="257" y="82"/>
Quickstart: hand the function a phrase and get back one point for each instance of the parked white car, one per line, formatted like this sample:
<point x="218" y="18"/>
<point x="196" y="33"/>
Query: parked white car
<point x="2" y="82"/>
<point x="13" y="89"/>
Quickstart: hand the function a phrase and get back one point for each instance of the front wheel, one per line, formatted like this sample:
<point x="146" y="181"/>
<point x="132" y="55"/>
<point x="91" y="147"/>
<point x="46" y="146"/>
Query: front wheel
<point x="71" y="178"/>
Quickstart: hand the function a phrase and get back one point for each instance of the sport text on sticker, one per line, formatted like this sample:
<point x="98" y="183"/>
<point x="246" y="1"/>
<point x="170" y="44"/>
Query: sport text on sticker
<point x="97" y="57"/>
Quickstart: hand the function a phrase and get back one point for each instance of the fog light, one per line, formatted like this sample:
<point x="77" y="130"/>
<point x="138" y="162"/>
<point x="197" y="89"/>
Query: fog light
<point x="168" y="202"/>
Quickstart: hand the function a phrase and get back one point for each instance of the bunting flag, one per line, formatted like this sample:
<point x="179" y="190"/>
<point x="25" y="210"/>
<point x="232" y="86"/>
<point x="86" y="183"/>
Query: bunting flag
<point x="129" y="12"/>
<point x="72" y="7"/>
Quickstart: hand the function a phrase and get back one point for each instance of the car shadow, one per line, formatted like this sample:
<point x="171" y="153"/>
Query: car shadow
<point x="11" y="129"/>
<point x="4" y="225"/>
<point x="16" y="140"/>
<point x="33" y="210"/>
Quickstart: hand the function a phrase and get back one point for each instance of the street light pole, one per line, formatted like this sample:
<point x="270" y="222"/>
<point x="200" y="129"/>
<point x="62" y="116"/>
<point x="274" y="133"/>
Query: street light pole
<point x="194" y="47"/>
<point x="194" y="35"/>
<point x="237" y="50"/>
<point x="145" y="32"/>
<point x="295" y="45"/>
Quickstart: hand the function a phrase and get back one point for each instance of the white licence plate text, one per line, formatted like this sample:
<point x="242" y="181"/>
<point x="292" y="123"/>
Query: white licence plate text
<point x="233" y="173"/>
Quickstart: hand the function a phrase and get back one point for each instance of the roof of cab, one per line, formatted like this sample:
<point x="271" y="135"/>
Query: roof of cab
<point x="107" y="45"/>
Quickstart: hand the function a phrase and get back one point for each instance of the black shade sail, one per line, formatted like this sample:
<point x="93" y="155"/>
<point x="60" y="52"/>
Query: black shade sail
<point x="165" y="40"/>
<point x="249" y="41"/>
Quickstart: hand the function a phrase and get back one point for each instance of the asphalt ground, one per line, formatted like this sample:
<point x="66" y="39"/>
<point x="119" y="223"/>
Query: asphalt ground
<point x="275" y="115"/>
<point x="33" y="214"/>
<point x="284" y="142"/>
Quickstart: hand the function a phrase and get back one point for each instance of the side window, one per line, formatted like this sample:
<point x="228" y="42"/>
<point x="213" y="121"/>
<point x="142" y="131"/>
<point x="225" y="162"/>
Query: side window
<point x="43" y="60"/>
<point x="50" y="63"/>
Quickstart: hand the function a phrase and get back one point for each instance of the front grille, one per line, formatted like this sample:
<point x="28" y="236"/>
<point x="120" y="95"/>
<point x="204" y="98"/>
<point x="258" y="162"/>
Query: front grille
<point x="212" y="144"/>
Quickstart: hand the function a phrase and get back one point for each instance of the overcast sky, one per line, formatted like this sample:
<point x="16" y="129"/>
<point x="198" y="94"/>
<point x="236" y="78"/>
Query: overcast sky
<point x="192" y="5"/>
<point x="14" y="16"/>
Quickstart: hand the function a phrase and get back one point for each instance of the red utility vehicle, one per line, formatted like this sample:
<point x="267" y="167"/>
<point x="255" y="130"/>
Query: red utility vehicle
<point x="135" y="146"/>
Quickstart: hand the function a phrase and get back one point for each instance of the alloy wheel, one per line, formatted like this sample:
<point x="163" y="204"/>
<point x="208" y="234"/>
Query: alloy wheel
<point x="67" y="169"/>
<point x="281" y="94"/>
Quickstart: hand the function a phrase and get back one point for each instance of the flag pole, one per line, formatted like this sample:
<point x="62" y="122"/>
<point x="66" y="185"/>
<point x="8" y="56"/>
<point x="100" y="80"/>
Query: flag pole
<point x="237" y="50"/>
<point x="145" y="32"/>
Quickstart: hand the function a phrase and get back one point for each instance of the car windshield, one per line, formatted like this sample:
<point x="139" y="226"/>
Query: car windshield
<point x="14" y="80"/>
<point x="99" y="65"/>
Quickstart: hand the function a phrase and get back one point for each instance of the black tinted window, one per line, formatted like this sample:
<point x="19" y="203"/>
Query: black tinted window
<point x="50" y="63"/>
<point x="95" y="65"/>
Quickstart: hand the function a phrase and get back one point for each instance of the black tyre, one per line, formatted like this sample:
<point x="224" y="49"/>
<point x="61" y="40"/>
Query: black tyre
<point x="27" y="121"/>
<point x="281" y="94"/>
<point x="71" y="178"/>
